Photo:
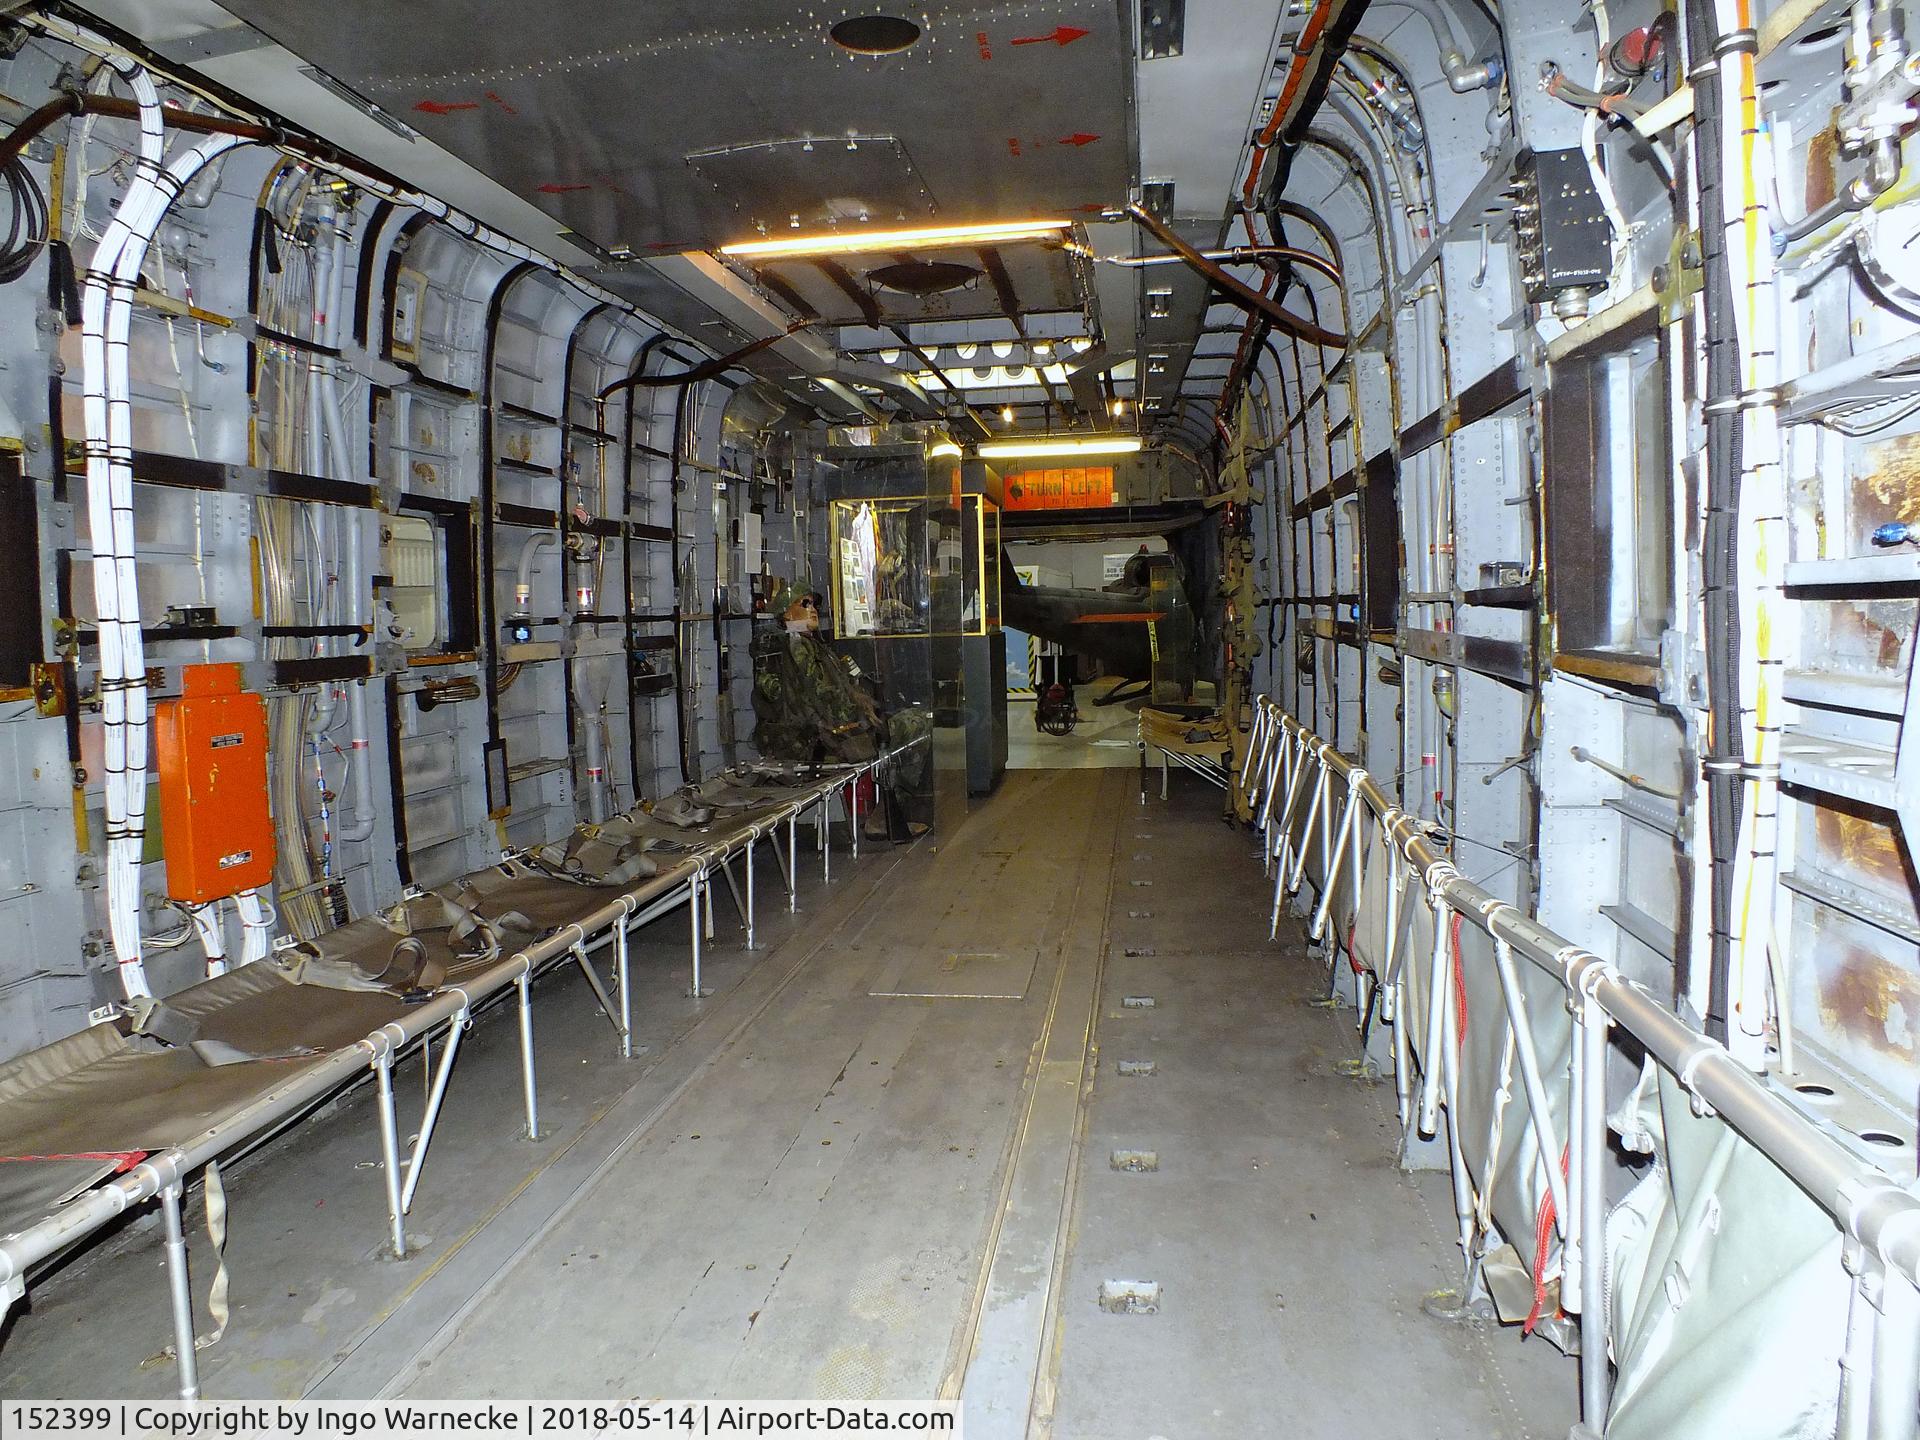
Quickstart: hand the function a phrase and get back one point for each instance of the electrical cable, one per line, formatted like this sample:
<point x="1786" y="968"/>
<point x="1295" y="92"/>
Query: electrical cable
<point x="27" y="223"/>
<point x="1719" y="548"/>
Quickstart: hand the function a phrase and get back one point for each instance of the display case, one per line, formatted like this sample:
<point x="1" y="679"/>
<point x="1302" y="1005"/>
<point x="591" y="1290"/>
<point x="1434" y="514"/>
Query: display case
<point x="890" y="522"/>
<point x="914" y="556"/>
<point x="882" y="588"/>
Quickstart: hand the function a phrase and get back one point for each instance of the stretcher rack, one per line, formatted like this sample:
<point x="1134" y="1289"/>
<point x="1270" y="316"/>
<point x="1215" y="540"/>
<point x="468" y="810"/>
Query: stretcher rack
<point x="1211" y="757"/>
<point x="1319" y="812"/>
<point x="689" y="881"/>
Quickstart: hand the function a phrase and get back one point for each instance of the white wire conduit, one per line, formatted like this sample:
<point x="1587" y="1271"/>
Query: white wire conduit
<point x="1287" y="763"/>
<point x="106" y="318"/>
<point x="116" y="596"/>
<point x="206" y="922"/>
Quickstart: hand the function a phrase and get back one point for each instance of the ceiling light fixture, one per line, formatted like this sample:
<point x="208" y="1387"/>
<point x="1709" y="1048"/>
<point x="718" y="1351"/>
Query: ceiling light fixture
<point x="1006" y="413"/>
<point x="1054" y="449"/>
<point x="856" y="242"/>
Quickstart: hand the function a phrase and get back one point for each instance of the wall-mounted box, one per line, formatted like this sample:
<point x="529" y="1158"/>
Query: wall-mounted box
<point x="216" y="825"/>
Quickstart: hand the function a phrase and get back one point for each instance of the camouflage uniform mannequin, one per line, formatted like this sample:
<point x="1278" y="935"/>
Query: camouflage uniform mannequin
<point x="806" y="703"/>
<point x="809" y="707"/>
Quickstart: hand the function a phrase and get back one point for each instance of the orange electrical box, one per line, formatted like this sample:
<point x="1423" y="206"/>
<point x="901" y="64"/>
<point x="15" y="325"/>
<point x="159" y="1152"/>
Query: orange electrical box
<point x="216" y="828"/>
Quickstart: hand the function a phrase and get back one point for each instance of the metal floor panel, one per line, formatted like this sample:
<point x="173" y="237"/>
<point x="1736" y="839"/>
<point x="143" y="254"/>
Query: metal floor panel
<point x="1291" y="1252"/>
<point x="809" y="1217"/>
<point x="940" y="973"/>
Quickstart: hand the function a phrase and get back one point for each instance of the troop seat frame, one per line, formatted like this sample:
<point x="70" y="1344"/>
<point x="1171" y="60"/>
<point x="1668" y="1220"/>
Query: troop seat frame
<point x="165" y="1174"/>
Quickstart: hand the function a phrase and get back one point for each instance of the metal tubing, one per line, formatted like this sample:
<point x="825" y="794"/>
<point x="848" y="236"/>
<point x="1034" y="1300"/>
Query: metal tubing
<point x="826" y="838"/>
<point x="1279" y="900"/>
<point x="1314" y="808"/>
<point x="390" y="1152"/>
<point x="1319" y="925"/>
<point x="699" y="884"/>
<point x="186" y="1355"/>
<point x="853" y="811"/>
<point x="435" y="1097"/>
<point x="1395" y="881"/>
<point x="1462" y="1181"/>
<point x="793" y="862"/>
<point x="623" y="965"/>
<point x="1281" y="825"/>
<point x="1856" y="1351"/>
<point x="1539" y="1104"/>
<point x="1326" y="831"/>
<point x="1402" y="1068"/>
<point x="1867" y="1203"/>
<point x="1255" y="758"/>
<point x="1439" y="996"/>
<point x="733" y="886"/>
<point x="528" y="1090"/>
<point x="598" y="986"/>
<point x="779" y="855"/>
<point x="1593" y="1221"/>
<point x="750" y="848"/>
<point x="1286" y="759"/>
<point x="1896" y="1363"/>
<point x="1262" y="790"/>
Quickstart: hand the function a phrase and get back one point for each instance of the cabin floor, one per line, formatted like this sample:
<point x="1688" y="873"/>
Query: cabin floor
<point x="895" y="1155"/>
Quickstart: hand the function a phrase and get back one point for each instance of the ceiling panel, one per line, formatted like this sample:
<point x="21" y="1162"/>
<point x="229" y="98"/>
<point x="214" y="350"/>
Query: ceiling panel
<point x="684" y="124"/>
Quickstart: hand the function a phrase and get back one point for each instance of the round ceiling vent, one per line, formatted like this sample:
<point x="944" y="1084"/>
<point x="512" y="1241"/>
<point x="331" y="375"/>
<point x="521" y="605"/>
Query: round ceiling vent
<point x="875" y="34"/>
<point x="924" y="277"/>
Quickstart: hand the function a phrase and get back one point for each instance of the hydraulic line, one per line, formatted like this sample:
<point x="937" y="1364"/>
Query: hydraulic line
<point x="707" y="370"/>
<point x="1243" y="294"/>
<point x="1303" y="44"/>
<point x="1719" y="550"/>
<point x="1759" y="526"/>
<point x="1236" y="255"/>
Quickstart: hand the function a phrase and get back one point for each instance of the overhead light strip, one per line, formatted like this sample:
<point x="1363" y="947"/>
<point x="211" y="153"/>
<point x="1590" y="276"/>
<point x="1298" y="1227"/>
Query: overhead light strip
<point x="857" y="242"/>
<point x="1053" y="449"/>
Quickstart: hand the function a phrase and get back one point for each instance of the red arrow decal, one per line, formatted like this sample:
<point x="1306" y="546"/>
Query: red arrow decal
<point x="446" y="107"/>
<point x="1078" y="138"/>
<point x="1064" y="35"/>
<point x="1091" y="209"/>
<point x="553" y="187"/>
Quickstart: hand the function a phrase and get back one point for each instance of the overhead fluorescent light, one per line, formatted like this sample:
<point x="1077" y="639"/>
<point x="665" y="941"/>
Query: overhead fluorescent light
<point x="1051" y="449"/>
<point x="857" y="242"/>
